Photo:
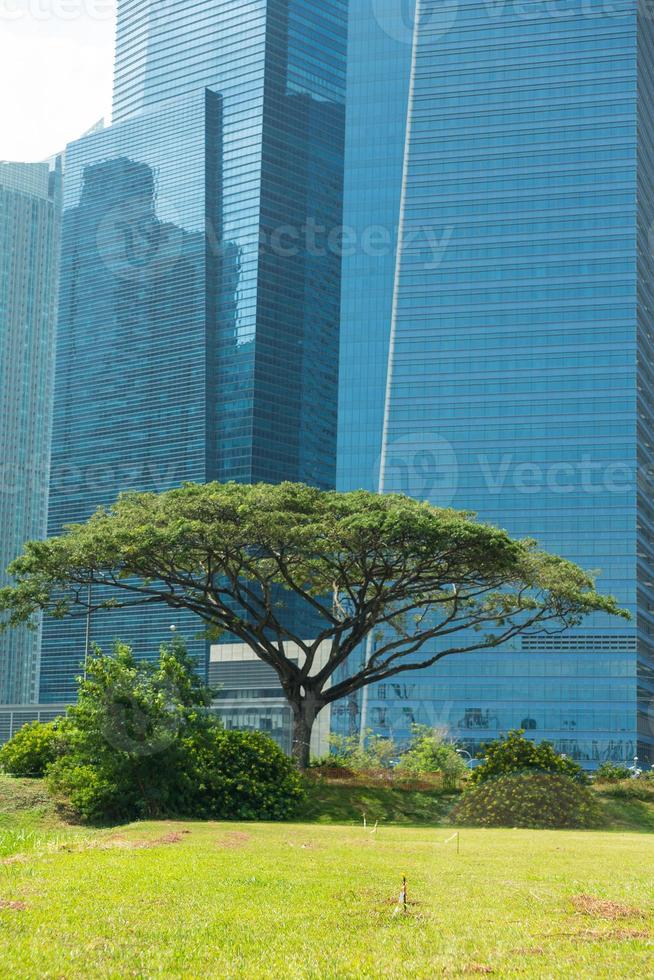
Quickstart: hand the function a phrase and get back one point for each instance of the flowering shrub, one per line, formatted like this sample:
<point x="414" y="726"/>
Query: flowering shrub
<point x="528" y="799"/>
<point x="515" y="753"/>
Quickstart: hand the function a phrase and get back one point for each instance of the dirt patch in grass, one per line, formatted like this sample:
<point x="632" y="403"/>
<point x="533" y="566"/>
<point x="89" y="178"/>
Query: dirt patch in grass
<point x="15" y="906"/>
<point x="612" y="935"/>
<point x="477" y="968"/>
<point x="603" y="909"/>
<point x="124" y="843"/>
<point x="173" y="838"/>
<point x="234" y="840"/>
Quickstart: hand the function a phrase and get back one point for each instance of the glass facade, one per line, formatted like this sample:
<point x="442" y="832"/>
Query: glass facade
<point x="380" y="34"/>
<point x="644" y="384"/>
<point x="519" y="358"/>
<point x="379" y="64"/>
<point x="30" y="211"/>
<point x="199" y="312"/>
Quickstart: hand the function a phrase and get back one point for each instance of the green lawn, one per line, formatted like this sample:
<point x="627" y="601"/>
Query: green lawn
<point x="345" y="802"/>
<point x="314" y="900"/>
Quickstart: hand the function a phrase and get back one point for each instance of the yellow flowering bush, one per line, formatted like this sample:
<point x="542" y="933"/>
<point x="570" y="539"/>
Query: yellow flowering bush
<point x="528" y="799"/>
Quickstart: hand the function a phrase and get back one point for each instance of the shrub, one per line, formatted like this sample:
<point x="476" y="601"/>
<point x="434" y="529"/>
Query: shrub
<point x="140" y="743"/>
<point x="609" y="772"/>
<point x="91" y="792"/>
<point x="211" y="774"/>
<point x="31" y="750"/>
<point x="235" y="775"/>
<point x="122" y="758"/>
<point x="330" y="762"/>
<point x="529" y="799"/>
<point x="372" y="754"/>
<point x="430" y="752"/>
<point x="515" y="753"/>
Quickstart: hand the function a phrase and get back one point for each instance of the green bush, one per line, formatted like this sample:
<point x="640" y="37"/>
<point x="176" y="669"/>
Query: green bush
<point x="372" y="754"/>
<point x="93" y="793"/>
<point x="528" y="799"/>
<point x="330" y="761"/>
<point x="429" y="753"/>
<point x="609" y="772"/>
<point x="234" y="775"/>
<point x="212" y="774"/>
<point x="31" y="750"/>
<point x="514" y="754"/>
<point x="140" y="743"/>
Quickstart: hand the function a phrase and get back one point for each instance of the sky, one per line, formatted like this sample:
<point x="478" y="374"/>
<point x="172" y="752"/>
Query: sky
<point x="56" y="65"/>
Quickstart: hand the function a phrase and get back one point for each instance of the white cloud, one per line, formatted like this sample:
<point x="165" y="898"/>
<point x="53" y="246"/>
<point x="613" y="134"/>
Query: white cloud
<point x="56" y="65"/>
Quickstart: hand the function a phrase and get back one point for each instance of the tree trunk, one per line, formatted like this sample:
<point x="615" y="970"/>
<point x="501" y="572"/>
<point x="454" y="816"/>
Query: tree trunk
<point x="305" y="712"/>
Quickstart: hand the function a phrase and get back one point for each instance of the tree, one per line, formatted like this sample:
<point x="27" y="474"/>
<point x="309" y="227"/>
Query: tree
<point x="407" y="583"/>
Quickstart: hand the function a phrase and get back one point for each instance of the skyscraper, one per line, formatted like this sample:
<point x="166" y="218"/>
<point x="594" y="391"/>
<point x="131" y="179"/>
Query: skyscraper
<point x="30" y="202"/>
<point x="198" y="325"/>
<point x="378" y="74"/>
<point x="520" y="346"/>
<point x="380" y="36"/>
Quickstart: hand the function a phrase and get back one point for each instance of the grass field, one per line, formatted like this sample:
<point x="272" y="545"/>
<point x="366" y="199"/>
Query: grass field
<point x="312" y="900"/>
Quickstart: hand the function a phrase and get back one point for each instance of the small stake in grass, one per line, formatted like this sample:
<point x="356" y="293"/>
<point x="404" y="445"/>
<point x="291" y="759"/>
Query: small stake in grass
<point x="403" y="901"/>
<point x="456" y="837"/>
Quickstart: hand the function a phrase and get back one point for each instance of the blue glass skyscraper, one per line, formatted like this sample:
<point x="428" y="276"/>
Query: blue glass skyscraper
<point x="519" y="345"/>
<point x="199" y="313"/>
<point x="379" y="66"/>
<point x="380" y="34"/>
<point x="30" y="215"/>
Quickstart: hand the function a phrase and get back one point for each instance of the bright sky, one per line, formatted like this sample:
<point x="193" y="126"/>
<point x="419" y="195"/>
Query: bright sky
<point x="56" y="65"/>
